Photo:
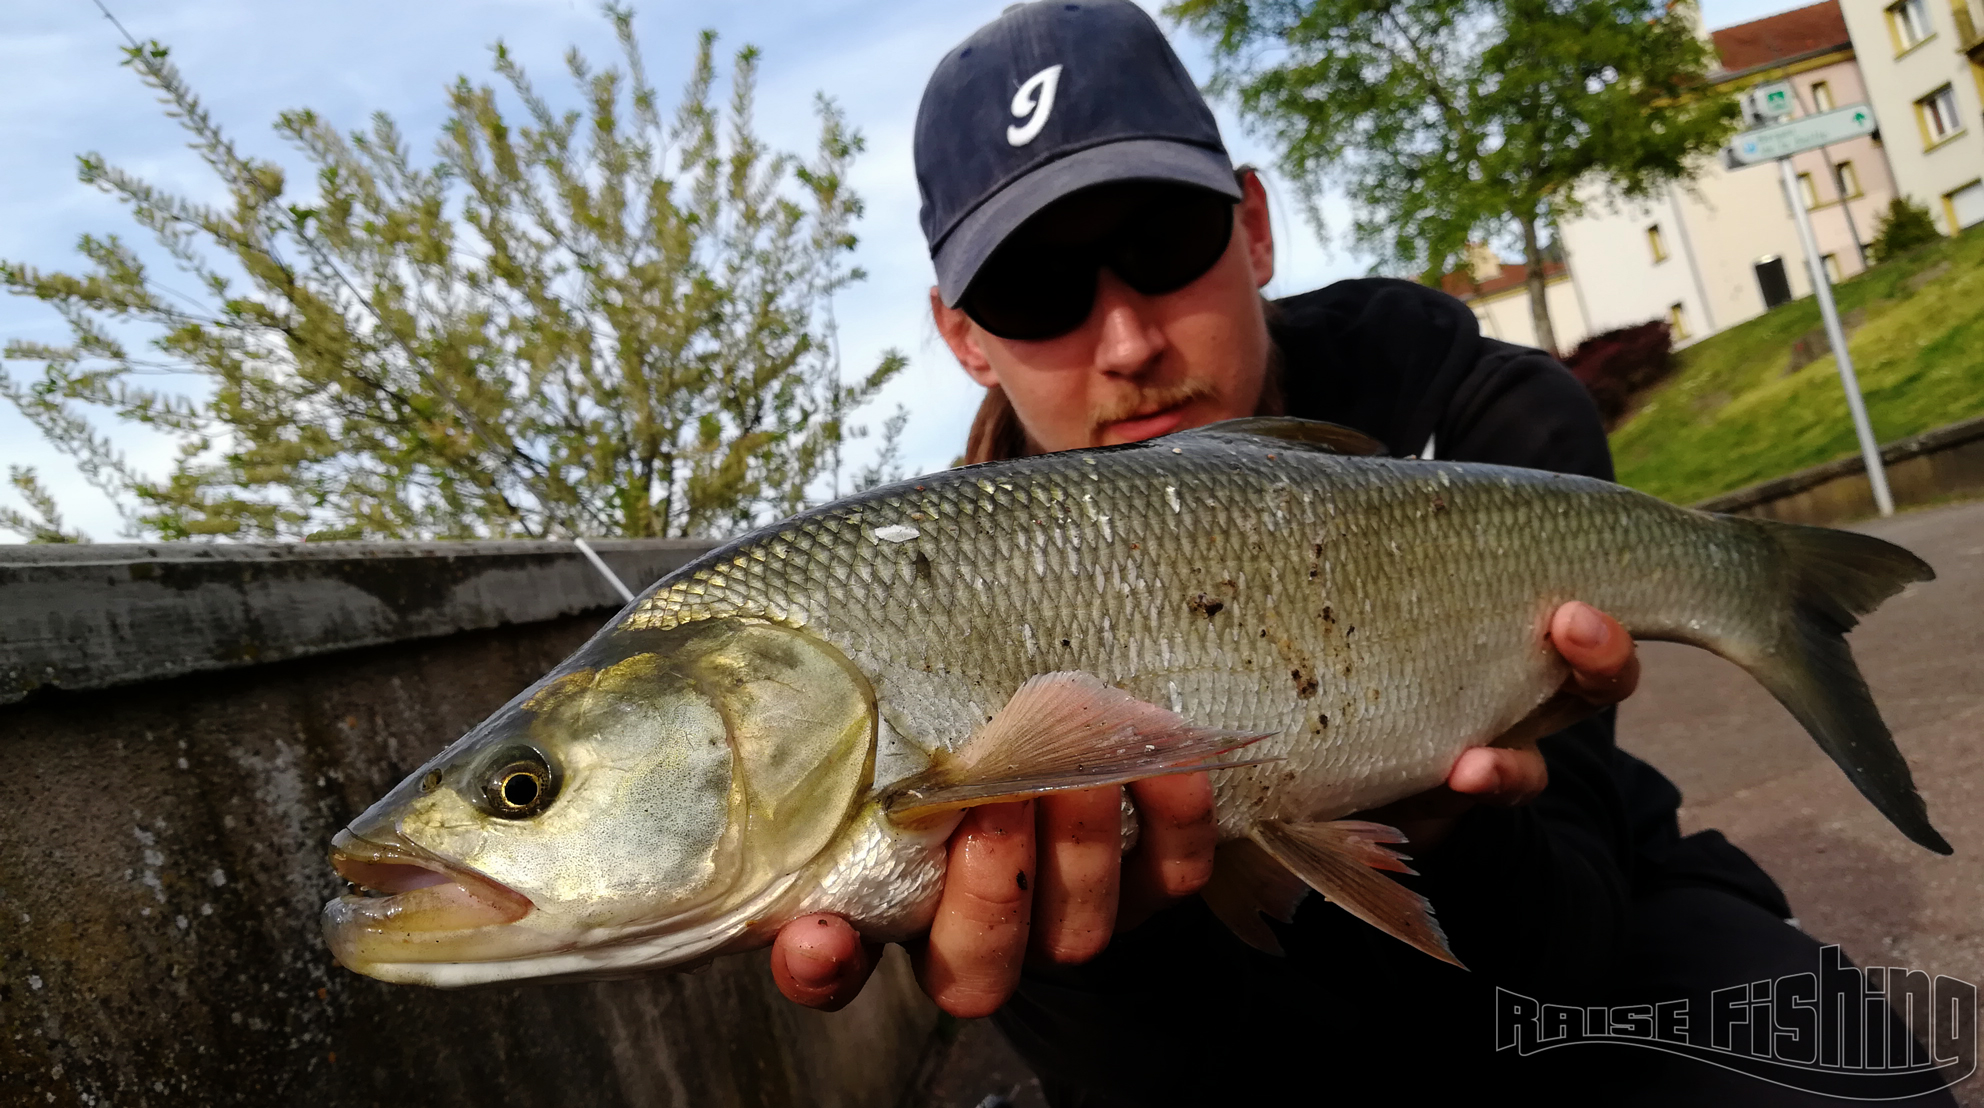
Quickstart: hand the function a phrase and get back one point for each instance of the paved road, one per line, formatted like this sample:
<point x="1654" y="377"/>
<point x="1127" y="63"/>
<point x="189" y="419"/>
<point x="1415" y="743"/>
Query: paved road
<point x="1746" y="768"/>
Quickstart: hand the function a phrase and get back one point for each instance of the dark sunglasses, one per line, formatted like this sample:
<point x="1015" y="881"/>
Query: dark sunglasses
<point x="1041" y="282"/>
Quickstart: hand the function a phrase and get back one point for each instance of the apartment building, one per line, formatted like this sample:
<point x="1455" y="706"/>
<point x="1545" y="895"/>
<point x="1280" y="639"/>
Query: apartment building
<point x="1724" y="248"/>
<point x="1923" y="65"/>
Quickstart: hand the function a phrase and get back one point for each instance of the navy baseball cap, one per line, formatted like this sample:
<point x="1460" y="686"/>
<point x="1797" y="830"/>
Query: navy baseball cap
<point x="1048" y="99"/>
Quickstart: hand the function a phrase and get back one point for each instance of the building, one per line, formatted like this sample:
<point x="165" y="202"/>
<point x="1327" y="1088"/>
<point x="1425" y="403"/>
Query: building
<point x="1923" y="62"/>
<point x="1724" y="248"/>
<point x="1498" y="293"/>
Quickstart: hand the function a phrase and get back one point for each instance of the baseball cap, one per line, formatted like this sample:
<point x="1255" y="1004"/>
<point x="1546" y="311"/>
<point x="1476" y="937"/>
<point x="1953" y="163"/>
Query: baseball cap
<point x="1049" y="99"/>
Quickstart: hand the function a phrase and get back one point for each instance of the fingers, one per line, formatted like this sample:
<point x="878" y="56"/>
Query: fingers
<point x="978" y="940"/>
<point x="821" y="962"/>
<point x="1604" y="666"/>
<point x="1499" y="776"/>
<point x="1174" y="852"/>
<point x="1081" y="864"/>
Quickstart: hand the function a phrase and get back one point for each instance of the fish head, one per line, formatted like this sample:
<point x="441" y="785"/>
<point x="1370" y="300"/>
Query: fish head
<point x="632" y="810"/>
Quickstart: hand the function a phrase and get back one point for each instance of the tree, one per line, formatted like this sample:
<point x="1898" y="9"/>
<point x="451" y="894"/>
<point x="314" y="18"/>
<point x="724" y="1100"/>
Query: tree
<point x="1905" y="225"/>
<point x="589" y="322"/>
<point x="1450" y="121"/>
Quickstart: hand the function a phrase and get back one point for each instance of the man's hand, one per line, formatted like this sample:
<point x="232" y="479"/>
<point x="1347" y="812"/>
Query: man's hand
<point x="1604" y="670"/>
<point x="1044" y="880"/>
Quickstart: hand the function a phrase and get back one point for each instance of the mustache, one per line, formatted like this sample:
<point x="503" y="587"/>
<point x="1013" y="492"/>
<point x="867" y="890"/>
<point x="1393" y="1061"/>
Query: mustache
<point x="1149" y="402"/>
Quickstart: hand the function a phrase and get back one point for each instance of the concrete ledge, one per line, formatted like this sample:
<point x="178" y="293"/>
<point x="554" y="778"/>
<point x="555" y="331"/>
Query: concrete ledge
<point x="1922" y="469"/>
<point x="95" y="616"/>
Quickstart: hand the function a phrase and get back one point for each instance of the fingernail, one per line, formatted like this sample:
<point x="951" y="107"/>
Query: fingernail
<point x="811" y="970"/>
<point x="1585" y="628"/>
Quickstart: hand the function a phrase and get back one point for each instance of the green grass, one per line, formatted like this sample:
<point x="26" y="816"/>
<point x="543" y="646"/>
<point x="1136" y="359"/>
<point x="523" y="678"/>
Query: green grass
<point x="1731" y="416"/>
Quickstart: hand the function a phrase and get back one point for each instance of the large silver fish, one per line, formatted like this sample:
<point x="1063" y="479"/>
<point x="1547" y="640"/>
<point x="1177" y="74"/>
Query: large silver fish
<point x="794" y="722"/>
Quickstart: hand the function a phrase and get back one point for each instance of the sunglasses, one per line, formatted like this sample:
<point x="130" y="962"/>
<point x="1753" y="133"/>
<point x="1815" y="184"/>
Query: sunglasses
<point x="1041" y="282"/>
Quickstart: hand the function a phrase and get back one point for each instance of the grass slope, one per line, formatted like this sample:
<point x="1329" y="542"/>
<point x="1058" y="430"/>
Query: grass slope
<point x="1732" y="416"/>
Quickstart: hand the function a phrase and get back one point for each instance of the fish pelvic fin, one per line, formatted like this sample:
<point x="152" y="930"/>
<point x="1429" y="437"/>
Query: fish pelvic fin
<point x="1248" y="884"/>
<point x="1341" y="860"/>
<point x="1299" y="434"/>
<point x="1834" y="578"/>
<point x="1061" y="731"/>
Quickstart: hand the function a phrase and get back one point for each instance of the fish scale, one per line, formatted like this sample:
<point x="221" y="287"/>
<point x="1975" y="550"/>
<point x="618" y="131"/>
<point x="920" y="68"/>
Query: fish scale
<point x="1234" y="573"/>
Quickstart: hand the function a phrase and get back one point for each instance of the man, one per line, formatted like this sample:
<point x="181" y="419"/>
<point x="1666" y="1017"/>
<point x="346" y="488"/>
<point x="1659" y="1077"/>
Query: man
<point x="1098" y="270"/>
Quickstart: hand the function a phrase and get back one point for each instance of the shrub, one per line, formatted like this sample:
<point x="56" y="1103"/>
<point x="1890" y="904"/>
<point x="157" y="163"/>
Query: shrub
<point x="1618" y="365"/>
<point x="1903" y="227"/>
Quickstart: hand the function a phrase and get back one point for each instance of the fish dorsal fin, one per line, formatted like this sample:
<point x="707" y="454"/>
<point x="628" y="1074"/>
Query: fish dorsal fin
<point x="1341" y="860"/>
<point x="1305" y="434"/>
<point x="1060" y="731"/>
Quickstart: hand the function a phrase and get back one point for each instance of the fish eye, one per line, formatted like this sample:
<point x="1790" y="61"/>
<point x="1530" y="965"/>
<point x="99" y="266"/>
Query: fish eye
<point x="521" y="785"/>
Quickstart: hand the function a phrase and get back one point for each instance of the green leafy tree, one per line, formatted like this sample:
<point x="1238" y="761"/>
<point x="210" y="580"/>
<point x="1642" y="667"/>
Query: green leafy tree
<point x="1450" y="121"/>
<point x="597" y="321"/>
<point x="1905" y="225"/>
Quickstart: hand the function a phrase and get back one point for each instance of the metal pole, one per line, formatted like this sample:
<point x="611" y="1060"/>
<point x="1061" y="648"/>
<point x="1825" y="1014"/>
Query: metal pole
<point x="612" y="578"/>
<point x="1870" y="451"/>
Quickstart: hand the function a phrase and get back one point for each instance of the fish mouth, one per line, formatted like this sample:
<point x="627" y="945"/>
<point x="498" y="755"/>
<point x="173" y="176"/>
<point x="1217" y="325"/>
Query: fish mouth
<point x="410" y="905"/>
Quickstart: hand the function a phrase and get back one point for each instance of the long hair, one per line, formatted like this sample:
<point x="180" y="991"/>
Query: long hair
<point x="996" y="434"/>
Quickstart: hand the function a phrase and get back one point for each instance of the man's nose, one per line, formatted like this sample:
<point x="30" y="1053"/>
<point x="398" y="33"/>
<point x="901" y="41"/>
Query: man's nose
<point x="1129" y="339"/>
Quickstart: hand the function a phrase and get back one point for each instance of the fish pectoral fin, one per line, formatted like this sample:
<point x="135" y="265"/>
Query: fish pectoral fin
<point x="1303" y="434"/>
<point x="1063" y="731"/>
<point x="1247" y="884"/>
<point x="1341" y="860"/>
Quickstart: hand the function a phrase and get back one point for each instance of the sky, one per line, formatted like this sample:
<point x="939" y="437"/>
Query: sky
<point x="62" y="93"/>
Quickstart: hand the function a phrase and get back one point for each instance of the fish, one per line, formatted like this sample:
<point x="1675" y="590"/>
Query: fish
<point x="796" y="722"/>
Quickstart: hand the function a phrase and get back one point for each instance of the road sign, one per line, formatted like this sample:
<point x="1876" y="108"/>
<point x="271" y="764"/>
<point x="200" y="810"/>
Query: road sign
<point x="1768" y="103"/>
<point x="1810" y="132"/>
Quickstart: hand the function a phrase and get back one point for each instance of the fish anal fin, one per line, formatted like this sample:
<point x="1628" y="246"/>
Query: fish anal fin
<point x="1063" y="730"/>
<point x="1303" y="434"/>
<point x="1247" y="884"/>
<point x="1342" y="860"/>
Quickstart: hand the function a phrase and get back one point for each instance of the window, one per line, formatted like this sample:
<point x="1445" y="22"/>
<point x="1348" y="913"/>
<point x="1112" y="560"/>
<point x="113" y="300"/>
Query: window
<point x="1656" y="243"/>
<point x="1821" y="96"/>
<point x="1908" y="22"/>
<point x="1937" y="114"/>
<point x="1808" y="190"/>
<point x="1833" y="272"/>
<point x="1965" y="206"/>
<point x="1677" y="321"/>
<point x="1847" y="178"/>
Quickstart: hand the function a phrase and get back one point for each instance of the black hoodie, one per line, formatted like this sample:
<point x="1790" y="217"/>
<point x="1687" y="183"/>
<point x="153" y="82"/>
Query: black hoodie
<point x="1535" y="898"/>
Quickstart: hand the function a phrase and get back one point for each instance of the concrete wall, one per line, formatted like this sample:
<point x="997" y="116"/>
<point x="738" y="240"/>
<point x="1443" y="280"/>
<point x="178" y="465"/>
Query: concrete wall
<point x="1935" y="466"/>
<point x="162" y="849"/>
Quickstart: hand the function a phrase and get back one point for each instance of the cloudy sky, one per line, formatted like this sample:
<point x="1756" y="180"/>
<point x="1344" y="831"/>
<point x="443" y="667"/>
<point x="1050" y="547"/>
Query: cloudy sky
<point x="62" y="93"/>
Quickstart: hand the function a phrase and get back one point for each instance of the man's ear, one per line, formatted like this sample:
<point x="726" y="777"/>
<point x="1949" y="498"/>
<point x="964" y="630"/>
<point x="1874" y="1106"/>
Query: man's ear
<point x="963" y="340"/>
<point x="1259" y="229"/>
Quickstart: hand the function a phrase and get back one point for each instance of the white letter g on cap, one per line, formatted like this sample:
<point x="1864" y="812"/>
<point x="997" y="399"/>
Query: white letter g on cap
<point x="1032" y="103"/>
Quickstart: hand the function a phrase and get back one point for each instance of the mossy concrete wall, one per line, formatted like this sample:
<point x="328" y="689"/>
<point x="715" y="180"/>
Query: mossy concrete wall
<point x="1935" y="466"/>
<point x="162" y="861"/>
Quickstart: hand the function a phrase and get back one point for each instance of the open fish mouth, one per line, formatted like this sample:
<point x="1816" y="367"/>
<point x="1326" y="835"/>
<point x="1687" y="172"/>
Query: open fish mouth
<point x="409" y="905"/>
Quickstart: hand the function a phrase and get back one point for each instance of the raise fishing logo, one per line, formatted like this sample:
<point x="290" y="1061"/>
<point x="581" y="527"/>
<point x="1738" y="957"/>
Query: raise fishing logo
<point x="1855" y="1034"/>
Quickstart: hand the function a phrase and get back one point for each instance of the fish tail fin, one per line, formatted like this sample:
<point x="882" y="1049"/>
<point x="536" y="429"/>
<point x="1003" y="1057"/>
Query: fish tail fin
<point x="1835" y="577"/>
